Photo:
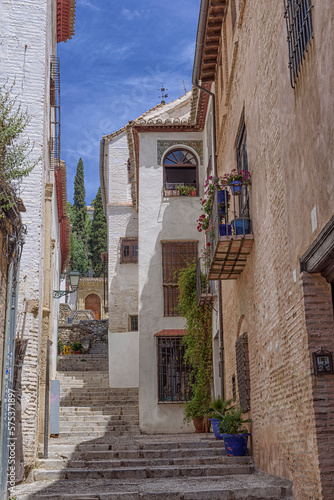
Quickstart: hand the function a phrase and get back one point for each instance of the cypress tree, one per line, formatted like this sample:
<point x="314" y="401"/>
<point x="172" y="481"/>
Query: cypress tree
<point x="98" y="235"/>
<point x="79" y="205"/>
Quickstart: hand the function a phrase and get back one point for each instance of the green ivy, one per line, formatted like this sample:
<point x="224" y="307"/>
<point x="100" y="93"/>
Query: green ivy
<point x="198" y="343"/>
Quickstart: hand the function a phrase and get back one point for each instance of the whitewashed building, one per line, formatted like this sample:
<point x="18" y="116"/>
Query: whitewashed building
<point x="29" y="35"/>
<point x="152" y="174"/>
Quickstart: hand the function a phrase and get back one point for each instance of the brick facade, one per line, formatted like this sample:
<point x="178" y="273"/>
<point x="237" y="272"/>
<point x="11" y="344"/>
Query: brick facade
<point x="287" y="315"/>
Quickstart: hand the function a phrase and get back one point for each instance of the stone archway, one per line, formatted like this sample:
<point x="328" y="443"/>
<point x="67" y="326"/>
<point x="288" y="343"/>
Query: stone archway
<point x="93" y="302"/>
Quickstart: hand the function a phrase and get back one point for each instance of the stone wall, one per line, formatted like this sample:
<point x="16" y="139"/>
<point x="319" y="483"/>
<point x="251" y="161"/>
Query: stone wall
<point x="292" y="181"/>
<point x="91" y="332"/>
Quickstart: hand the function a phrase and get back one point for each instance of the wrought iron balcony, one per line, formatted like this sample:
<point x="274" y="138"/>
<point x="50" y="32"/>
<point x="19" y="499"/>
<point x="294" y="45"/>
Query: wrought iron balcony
<point x="180" y="189"/>
<point x="230" y="232"/>
<point x="206" y="292"/>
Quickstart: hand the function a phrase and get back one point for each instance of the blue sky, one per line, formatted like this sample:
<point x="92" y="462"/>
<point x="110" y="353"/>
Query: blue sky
<point x="111" y="70"/>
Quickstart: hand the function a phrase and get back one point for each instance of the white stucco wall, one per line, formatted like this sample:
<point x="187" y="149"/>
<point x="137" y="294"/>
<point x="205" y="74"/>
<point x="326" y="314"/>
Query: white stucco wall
<point x="159" y="219"/>
<point x="123" y="359"/>
<point x="26" y="43"/>
<point x="122" y="222"/>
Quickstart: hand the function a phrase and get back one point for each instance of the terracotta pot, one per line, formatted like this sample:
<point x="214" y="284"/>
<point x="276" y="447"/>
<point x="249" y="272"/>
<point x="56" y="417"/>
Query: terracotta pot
<point x="76" y="352"/>
<point x="201" y="424"/>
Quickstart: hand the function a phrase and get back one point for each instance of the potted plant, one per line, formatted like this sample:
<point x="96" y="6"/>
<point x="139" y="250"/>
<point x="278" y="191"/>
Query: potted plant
<point x="236" y="179"/>
<point x="185" y="190"/>
<point x="76" y="347"/>
<point x="196" y="411"/>
<point x="217" y="412"/>
<point x="234" y="434"/>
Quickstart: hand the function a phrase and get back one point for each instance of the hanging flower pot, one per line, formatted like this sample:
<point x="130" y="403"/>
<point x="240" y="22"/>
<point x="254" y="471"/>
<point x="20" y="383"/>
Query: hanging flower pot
<point x="236" y="187"/>
<point x="225" y="230"/>
<point x="241" y="226"/>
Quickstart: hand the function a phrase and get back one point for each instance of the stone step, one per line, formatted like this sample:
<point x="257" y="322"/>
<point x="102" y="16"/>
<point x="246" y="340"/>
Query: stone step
<point x="54" y="464"/>
<point x="83" y="411"/>
<point x="92" y="389"/>
<point x="98" y="426"/>
<point x="142" y="472"/>
<point x="95" y="419"/>
<point x="111" y="431"/>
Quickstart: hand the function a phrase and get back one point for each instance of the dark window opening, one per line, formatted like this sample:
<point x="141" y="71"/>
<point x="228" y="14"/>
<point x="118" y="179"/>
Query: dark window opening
<point x="298" y="19"/>
<point x="242" y="164"/>
<point x="134" y="323"/>
<point x="234" y="390"/>
<point x="180" y="169"/>
<point x="332" y="287"/>
<point x="243" y="372"/>
<point x="129" y="250"/>
<point x="233" y="14"/>
<point x="173" y="383"/>
<point x="176" y="255"/>
<point x="129" y="171"/>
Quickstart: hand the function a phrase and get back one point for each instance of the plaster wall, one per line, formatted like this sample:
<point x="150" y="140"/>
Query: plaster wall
<point x="25" y="49"/>
<point x="159" y="219"/>
<point x="123" y="359"/>
<point x="122" y="221"/>
<point x="290" y="150"/>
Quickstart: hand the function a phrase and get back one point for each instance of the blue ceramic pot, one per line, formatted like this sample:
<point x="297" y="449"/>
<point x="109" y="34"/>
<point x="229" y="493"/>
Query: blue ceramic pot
<point x="241" y="226"/>
<point x="236" y="445"/>
<point x="236" y="187"/>
<point x="222" y="230"/>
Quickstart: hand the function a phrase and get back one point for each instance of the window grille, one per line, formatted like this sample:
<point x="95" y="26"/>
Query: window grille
<point x="176" y="255"/>
<point x="134" y="323"/>
<point x="54" y="113"/>
<point x="243" y="373"/>
<point x="129" y="250"/>
<point x="241" y="147"/>
<point x="298" y="19"/>
<point x="173" y="382"/>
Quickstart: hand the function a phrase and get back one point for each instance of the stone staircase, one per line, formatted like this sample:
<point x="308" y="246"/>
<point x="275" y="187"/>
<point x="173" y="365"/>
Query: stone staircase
<point x="83" y="362"/>
<point x="101" y="455"/>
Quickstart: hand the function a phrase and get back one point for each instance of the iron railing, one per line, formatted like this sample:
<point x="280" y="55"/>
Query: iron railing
<point x="55" y="113"/>
<point x="229" y="215"/>
<point x="180" y="189"/>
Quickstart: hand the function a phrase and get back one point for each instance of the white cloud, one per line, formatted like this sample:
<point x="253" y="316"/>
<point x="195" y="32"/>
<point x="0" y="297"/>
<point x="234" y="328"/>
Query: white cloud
<point x="132" y="14"/>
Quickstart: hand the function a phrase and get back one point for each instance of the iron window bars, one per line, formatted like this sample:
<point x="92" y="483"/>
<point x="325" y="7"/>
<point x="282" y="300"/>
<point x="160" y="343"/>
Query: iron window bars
<point x="55" y="113"/>
<point x="298" y="19"/>
<point x="173" y="383"/>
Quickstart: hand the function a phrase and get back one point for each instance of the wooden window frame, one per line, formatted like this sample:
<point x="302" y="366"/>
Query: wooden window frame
<point x="132" y="243"/>
<point x="179" y="165"/>
<point x="176" y="255"/>
<point x="133" y="317"/>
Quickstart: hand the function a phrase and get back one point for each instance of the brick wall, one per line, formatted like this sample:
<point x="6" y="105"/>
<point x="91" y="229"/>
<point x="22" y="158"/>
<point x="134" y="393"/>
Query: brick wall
<point x="291" y="411"/>
<point x="320" y="329"/>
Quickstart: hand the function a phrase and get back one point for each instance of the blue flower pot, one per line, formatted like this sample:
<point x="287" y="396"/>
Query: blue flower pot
<point x="223" y="196"/>
<point x="236" y="187"/>
<point x="222" y="230"/>
<point x="236" y="445"/>
<point x="215" y="427"/>
<point x="241" y="226"/>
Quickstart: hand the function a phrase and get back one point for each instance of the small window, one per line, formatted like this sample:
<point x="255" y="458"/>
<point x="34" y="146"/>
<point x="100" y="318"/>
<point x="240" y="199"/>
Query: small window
<point x="176" y="255"/>
<point x="129" y="250"/>
<point x="129" y="171"/>
<point x="180" y="173"/>
<point x="134" y="323"/>
<point x="298" y="19"/>
<point x="173" y="373"/>
<point x="242" y="161"/>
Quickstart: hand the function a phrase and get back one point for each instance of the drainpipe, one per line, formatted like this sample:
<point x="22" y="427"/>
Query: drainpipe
<point x="204" y="9"/>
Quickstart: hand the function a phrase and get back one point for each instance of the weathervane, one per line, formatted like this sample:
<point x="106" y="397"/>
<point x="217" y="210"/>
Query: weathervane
<point x="163" y="94"/>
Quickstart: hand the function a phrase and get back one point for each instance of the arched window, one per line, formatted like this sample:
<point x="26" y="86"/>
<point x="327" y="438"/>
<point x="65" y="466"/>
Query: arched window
<point x="180" y="172"/>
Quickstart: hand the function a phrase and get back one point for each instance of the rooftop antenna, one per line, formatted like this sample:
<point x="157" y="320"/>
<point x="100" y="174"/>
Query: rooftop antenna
<point x="163" y="96"/>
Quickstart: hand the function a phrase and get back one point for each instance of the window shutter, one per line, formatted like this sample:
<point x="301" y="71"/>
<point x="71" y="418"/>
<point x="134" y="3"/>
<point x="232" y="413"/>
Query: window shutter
<point x="243" y="373"/>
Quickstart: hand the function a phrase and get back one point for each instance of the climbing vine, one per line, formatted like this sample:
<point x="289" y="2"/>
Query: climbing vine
<point x="198" y="343"/>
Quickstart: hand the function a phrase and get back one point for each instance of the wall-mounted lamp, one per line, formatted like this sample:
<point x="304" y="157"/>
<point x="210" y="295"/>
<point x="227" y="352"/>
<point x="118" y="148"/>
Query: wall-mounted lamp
<point x="74" y="283"/>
